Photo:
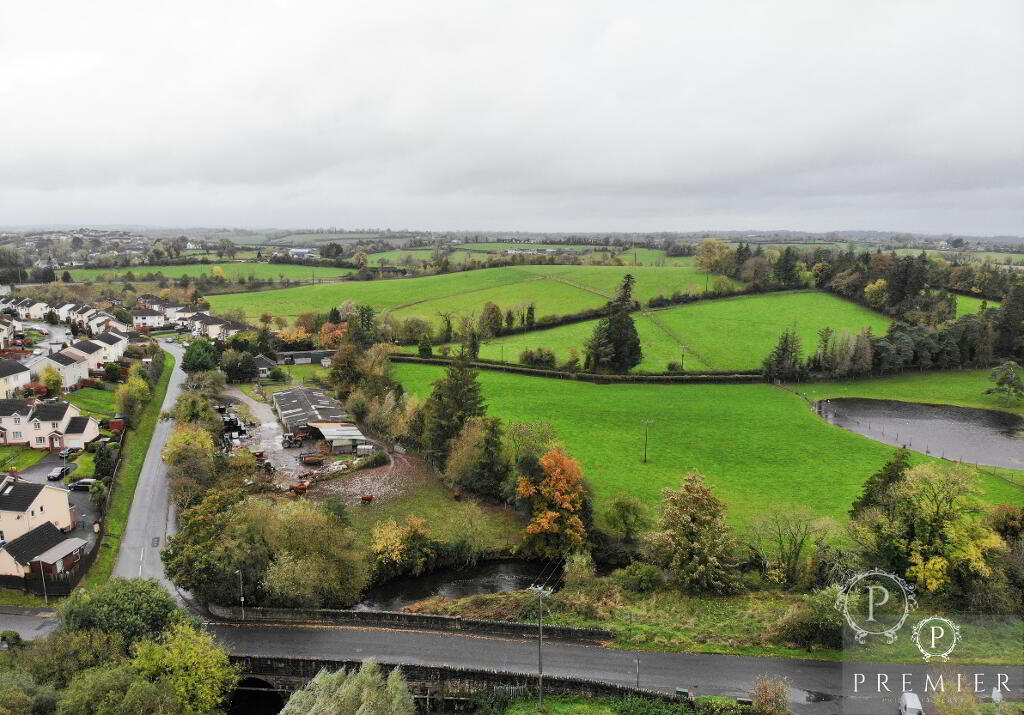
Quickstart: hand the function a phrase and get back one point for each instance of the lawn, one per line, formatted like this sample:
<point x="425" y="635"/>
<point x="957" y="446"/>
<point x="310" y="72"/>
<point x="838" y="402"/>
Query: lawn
<point x="555" y="290"/>
<point x="94" y="402"/>
<point x="232" y="271"/>
<point x="966" y="304"/>
<point x="136" y="445"/>
<point x="723" y="334"/>
<point x="21" y="458"/>
<point x="749" y="440"/>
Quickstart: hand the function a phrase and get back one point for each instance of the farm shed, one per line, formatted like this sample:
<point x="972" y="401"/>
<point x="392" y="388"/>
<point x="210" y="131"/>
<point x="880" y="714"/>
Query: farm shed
<point x="343" y="437"/>
<point x="301" y="406"/>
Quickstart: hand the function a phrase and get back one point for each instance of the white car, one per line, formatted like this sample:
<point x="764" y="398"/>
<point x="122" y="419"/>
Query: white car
<point x="37" y="351"/>
<point x="910" y="704"/>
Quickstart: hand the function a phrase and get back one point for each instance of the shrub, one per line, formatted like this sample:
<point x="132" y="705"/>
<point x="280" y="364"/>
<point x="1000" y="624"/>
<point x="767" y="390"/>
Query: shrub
<point x="636" y="705"/>
<point x="377" y="459"/>
<point x="673" y="367"/>
<point x="541" y="357"/>
<point x="638" y="577"/>
<point x="815" y="621"/>
<point x="357" y="406"/>
<point x="579" y="569"/>
<point x="770" y="696"/>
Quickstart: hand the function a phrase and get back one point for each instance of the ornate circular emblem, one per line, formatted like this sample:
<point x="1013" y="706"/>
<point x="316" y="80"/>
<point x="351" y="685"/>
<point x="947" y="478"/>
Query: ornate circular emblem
<point x="936" y="637"/>
<point x="876" y="603"/>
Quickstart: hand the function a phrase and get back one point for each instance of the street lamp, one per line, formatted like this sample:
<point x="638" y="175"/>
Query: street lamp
<point x="541" y="593"/>
<point x="241" y="593"/>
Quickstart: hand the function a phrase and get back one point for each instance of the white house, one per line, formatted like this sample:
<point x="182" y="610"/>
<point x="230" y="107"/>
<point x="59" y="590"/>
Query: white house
<point x="89" y="350"/>
<point x="147" y="318"/>
<point x="7" y="330"/>
<point x="25" y="506"/>
<point x="13" y="377"/>
<point x="32" y="309"/>
<point x="113" y="345"/>
<point x="81" y="314"/>
<point x="55" y="424"/>
<point x="72" y="367"/>
<point x="80" y="431"/>
<point x="64" y="311"/>
<point x="101" y="321"/>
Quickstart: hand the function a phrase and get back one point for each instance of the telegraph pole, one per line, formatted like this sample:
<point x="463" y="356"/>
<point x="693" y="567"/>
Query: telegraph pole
<point x="241" y="593"/>
<point x="647" y="424"/>
<point x="541" y="592"/>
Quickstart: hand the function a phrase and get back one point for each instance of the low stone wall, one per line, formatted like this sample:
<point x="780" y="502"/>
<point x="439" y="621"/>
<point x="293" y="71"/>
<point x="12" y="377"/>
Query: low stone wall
<point x="423" y="621"/>
<point x="291" y="673"/>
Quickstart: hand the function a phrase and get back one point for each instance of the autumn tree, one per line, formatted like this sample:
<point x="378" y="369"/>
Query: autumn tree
<point x="131" y="398"/>
<point x="554" y="489"/>
<point x="711" y="255"/>
<point x="52" y="380"/>
<point x="694" y="544"/>
<point x="189" y="454"/>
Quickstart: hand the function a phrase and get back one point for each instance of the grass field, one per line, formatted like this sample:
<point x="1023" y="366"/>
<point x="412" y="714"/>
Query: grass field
<point x="555" y="290"/>
<point x="966" y="304"/>
<point x="232" y="271"/>
<point x="961" y="387"/>
<point x="749" y="440"/>
<point x="93" y="402"/>
<point x="725" y="334"/>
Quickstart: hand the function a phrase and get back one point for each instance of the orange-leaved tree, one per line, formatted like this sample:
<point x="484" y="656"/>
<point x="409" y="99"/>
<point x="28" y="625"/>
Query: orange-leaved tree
<point x="555" y="490"/>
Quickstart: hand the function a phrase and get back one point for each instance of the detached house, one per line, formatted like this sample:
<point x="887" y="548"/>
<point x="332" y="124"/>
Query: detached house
<point x="13" y="377"/>
<point x="72" y="367"/>
<point x="113" y="345"/>
<point x="92" y="352"/>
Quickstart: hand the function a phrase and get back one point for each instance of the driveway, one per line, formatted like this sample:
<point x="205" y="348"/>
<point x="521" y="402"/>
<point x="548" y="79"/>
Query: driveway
<point x="53" y="341"/>
<point x="87" y="513"/>
<point x="268" y="435"/>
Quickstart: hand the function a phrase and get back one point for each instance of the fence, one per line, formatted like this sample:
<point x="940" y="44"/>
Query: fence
<point x="423" y="621"/>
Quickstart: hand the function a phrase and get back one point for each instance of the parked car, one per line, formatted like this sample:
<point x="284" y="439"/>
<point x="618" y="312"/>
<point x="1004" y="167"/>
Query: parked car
<point x="910" y="704"/>
<point x="37" y="351"/>
<point x="68" y="451"/>
<point x="82" y="485"/>
<point x="57" y="473"/>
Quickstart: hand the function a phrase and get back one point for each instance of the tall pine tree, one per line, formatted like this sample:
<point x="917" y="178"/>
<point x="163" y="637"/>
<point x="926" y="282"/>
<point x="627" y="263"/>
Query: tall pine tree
<point x="456" y="397"/>
<point x="615" y="344"/>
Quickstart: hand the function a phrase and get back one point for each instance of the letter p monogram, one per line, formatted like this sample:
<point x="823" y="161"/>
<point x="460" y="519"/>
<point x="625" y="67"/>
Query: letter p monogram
<point x="871" y="599"/>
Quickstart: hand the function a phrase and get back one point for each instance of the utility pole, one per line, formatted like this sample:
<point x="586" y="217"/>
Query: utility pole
<point x="637" y="662"/>
<point x="647" y="424"/>
<point x="241" y="593"/>
<point x="541" y="592"/>
<point x="42" y="575"/>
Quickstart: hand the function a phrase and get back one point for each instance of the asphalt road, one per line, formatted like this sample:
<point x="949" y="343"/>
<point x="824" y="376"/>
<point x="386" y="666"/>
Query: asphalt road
<point x="152" y="518"/>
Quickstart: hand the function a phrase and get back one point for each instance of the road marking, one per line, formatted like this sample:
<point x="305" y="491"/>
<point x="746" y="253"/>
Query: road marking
<point x="142" y="555"/>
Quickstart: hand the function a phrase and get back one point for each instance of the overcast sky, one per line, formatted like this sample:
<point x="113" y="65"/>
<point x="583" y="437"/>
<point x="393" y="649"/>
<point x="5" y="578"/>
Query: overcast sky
<point x="548" y="115"/>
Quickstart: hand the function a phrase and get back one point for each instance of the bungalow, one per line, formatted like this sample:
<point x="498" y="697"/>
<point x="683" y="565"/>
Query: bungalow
<point x="13" y="377"/>
<point x="264" y="365"/>
<point x="72" y="367"/>
<point x="44" y="550"/>
<point x="113" y="344"/>
<point x="146" y="318"/>
<point x="93" y="352"/>
<point x="25" y="506"/>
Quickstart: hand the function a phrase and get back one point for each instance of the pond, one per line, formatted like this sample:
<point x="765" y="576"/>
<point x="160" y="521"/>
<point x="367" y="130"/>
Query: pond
<point x="494" y="576"/>
<point x="988" y="437"/>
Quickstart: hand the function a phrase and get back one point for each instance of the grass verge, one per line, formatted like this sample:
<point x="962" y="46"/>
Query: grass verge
<point x="22" y="457"/>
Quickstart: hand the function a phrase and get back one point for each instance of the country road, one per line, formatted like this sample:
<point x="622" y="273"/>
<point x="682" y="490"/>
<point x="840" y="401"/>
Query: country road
<point x="152" y="519"/>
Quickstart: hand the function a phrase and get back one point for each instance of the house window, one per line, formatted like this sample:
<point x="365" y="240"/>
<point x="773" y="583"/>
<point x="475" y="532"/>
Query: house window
<point x="53" y="425"/>
<point x="33" y="512"/>
<point x="39" y="440"/>
<point x="35" y="425"/>
<point x="17" y="435"/>
<point x="40" y="508"/>
<point x="2" y="539"/>
<point x="17" y="420"/>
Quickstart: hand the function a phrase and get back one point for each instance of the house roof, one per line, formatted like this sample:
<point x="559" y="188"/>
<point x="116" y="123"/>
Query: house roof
<point x="10" y="367"/>
<point x="108" y="338"/>
<point x="146" y="313"/>
<point x="31" y="544"/>
<point x="50" y="411"/>
<point x="86" y="346"/>
<point x="85" y="309"/>
<point x="264" y="361"/>
<point x="64" y="548"/>
<point x="13" y="407"/>
<point x="65" y="359"/>
<point x="18" y="496"/>
<point x="77" y="425"/>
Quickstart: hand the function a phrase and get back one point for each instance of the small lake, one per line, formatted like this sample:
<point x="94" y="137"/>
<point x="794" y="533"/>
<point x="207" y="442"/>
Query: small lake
<point x="988" y="437"/>
<point x="494" y="576"/>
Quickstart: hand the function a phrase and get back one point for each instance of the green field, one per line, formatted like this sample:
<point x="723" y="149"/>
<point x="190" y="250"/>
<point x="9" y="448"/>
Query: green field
<point x="93" y="402"/>
<point x="232" y="271"/>
<point x="966" y="304"/>
<point x="723" y="334"/>
<point x="749" y="440"/>
<point x="555" y="290"/>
